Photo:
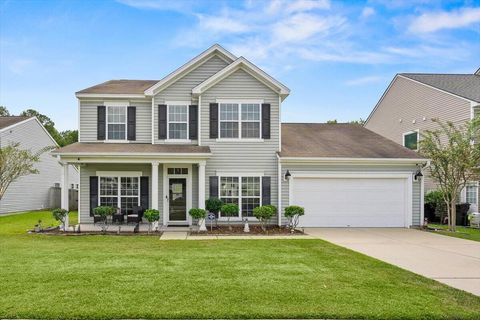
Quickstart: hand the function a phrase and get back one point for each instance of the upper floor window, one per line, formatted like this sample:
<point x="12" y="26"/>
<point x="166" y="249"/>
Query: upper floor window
<point x="116" y="123"/>
<point x="178" y="121"/>
<point x="240" y="120"/>
<point x="410" y="140"/>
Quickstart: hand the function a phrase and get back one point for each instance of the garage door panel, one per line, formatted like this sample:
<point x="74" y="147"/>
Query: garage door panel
<point x="354" y="202"/>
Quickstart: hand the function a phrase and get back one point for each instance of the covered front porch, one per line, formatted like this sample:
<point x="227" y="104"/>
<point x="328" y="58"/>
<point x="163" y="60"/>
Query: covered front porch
<point x="172" y="183"/>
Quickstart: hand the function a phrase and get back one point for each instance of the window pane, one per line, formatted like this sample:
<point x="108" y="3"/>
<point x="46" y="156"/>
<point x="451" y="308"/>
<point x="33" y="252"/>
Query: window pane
<point x="177" y="131"/>
<point x="128" y="203"/>
<point x="251" y="111"/>
<point x="251" y="186"/>
<point x="129" y="186"/>
<point x="471" y="194"/>
<point x="116" y="114"/>
<point x="248" y="204"/>
<point x="109" y="201"/>
<point x="231" y="200"/>
<point x="250" y="129"/>
<point x="108" y="186"/>
<point x="228" y="111"/>
<point x="116" y="131"/>
<point x="228" y="129"/>
<point x="229" y="186"/>
<point x="177" y="113"/>
<point x="410" y="140"/>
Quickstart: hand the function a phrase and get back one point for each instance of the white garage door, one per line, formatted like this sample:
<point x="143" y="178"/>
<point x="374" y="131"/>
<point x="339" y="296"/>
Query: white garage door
<point x="351" y="202"/>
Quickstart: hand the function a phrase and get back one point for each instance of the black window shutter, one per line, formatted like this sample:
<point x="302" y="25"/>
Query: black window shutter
<point x="93" y="193"/>
<point x="266" y="191"/>
<point x="266" y="121"/>
<point x="213" y="187"/>
<point x="101" y="122"/>
<point x="162" y="121"/>
<point x="213" y="120"/>
<point x="131" y="123"/>
<point x="193" y="121"/>
<point x="144" y="193"/>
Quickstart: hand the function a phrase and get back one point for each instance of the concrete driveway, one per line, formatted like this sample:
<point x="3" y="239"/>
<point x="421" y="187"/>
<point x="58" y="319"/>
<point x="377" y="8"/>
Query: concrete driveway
<point x="453" y="261"/>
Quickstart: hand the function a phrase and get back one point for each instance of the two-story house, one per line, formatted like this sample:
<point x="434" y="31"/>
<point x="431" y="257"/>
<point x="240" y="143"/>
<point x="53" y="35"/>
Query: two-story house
<point x="212" y="128"/>
<point x="412" y="100"/>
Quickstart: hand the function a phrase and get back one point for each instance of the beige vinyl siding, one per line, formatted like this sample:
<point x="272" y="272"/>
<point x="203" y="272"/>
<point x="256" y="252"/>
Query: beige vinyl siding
<point x="416" y="187"/>
<point x="241" y="157"/>
<point x="31" y="192"/>
<point x="181" y="90"/>
<point x="88" y="119"/>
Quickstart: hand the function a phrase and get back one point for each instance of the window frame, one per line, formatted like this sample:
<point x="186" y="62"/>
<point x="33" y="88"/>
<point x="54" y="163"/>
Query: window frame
<point x="240" y="196"/>
<point x="239" y="102"/>
<point x="471" y="184"/>
<point x="417" y="131"/>
<point x="187" y="122"/>
<point x="116" y="105"/>
<point x="119" y="177"/>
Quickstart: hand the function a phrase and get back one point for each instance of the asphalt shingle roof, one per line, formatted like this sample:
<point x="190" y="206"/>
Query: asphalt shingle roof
<point x="120" y="87"/>
<point x="10" y="120"/>
<point x="120" y="148"/>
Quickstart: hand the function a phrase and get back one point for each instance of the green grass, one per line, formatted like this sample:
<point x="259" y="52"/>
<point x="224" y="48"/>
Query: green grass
<point x="462" y="232"/>
<point x="22" y="222"/>
<point x="46" y="276"/>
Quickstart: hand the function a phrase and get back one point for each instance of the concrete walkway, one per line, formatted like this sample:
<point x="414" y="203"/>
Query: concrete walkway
<point x="183" y="235"/>
<point x="453" y="261"/>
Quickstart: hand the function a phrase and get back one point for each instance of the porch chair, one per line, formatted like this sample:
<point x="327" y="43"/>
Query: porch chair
<point x="136" y="215"/>
<point x="118" y="216"/>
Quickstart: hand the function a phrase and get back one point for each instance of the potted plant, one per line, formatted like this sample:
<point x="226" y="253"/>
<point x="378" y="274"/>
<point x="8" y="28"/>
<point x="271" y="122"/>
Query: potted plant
<point x="263" y="214"/>
<point x="152" y="215"/>
<point x="293" y="214"/>
<point x="229" y="210"/>
<point x="61" y="216"/>
<point x="103" y="212"/>
<point x="199" y="214"/>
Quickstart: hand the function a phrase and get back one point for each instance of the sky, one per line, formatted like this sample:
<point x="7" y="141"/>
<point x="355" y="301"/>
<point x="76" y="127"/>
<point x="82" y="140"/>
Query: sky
<point x="337" y="57"/>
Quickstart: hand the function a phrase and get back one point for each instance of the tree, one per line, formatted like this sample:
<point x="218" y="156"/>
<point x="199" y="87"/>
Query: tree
<point x="4" y="112"/>
<point x="332" y="121"/>
<point x="68" y="137"/>
<point x="46" y="122"/>
<point x="359" y="122"/>
<point x="15" y="163"/>
<point x="454" y="159"/>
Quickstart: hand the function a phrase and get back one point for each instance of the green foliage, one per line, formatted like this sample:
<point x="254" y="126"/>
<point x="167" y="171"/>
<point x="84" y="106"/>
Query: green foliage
<point x="213" y="205"/>
<point x="104" y="211"/>
<point x="360" y="122"/>
<point x="263" y="214"/>
<point x="68" y="137"/>
<point x="151" y="215"/>
<point x="292" y="211"/>
<point x="197" y="213"/>
<point x="334" y="121"/>
<point x="4" y="112"/>
<point x="434" y="197"/>
<point x="59" y="214"/>
<point x="271" y="206"/>
<point x="229" y="210"/>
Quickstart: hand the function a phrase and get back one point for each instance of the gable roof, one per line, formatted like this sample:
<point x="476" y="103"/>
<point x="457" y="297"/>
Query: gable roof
<point x="463" y="85"/>
<point x="244" y="64"/>
<point x="342" y="140"/>
<point x="6" y="122"/>
<point x="216" y="49"/>
<point x="122" y="86"/>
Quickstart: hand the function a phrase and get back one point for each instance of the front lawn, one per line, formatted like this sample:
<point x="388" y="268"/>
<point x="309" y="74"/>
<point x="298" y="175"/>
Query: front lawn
<point x="47" y="276"/>
<point x="462" y="232"/>
<point x="22" y="222"/>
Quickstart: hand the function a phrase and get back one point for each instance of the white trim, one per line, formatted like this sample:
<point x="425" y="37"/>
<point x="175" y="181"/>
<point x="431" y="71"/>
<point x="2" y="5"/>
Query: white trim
<point x="239" y="100"/>
<point x="78" y="121"/>
<point x="417" y="131"/>
<point x="239" y="173"/>
<point x="188" y="192"/>
<point x="199" y="121"/>
<point x="153" y="120"/>
<point x="279" y="191"/>
<point x="155" y="191"/>
<point x="110" y="95"/>
<point x="116" y="103"/>
<point x="422" y="200"/>
<point x="190" y="65"/>
<point x="119" y="173"/>
<point x="463" y="193"/>
<point x="187" y="122"/>
<point x="253" y="70"/>
<point x="347" y="161"/>
<point x="120" y="105"/>
<point x="240" y="216"/>
<point x="79" y="194"/>
<point x="245" y="140"/>
<point x="240" y="103"/>
<point x="279" y="123"/>
<point x="473" y="105"/>
<point x="122" y="174"/>
<point x="201" y="185"/>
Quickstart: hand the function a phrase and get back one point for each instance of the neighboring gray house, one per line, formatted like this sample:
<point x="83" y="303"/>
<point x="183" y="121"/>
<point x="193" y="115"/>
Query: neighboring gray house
<point x="33" y="191"/>
<point x="412" y="100"/>
<point x="212" y="129"/>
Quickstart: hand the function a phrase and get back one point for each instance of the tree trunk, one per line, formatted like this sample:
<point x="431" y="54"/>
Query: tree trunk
<point x="453" y="213"/>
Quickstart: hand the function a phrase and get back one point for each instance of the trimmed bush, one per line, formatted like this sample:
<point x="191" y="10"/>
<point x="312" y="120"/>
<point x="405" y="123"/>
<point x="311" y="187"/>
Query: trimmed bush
<point x="59" y="214"/>
<point x="293" y="214"/>
<point x="104" y="212"/>
<point x="213" y="205"/>
<point x="229" y="210"/>
<point x="263" y="214"/>
<point x="151" y="215"/>
<point x="275" y="211"/>
<point x="197" y="213"/>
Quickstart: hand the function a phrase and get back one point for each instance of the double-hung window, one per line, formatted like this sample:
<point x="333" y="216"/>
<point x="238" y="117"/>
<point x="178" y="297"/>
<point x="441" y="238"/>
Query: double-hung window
<point x="178" y="121"/>
<point x="240" y="120"/>
<point x="471" y="193"/>
<point x="120" y="192"/>
<point x="116" y="122"/>
<point x="242" y="191"/>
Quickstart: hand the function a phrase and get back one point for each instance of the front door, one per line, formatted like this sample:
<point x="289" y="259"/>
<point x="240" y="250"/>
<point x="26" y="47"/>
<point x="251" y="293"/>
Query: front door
<point x="177" y="204"/>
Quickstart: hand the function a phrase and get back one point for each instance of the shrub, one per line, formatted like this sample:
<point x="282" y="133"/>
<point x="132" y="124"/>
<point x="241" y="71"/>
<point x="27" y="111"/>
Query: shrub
<point x="229" y="210"/>
<point x="197" y="213"/>
<point x="60" y="215"/>
<point x="263" y="214"/>
<point x="213" y="205"/>
<point x="104" y="212"/>
<point x="273" y="208"/>
<point x="151" y="215"/>
<point x="434" y="200"/>
<point x="293" y="214"/>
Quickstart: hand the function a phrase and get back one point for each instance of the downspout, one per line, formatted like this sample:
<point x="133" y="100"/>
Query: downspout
<point x="279" y="191"/>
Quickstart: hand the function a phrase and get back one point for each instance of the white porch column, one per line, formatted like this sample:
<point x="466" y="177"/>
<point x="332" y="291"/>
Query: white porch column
<point x="64" y="191"/>
<point x="201" y="192"/>
<point x="155" y="185"/>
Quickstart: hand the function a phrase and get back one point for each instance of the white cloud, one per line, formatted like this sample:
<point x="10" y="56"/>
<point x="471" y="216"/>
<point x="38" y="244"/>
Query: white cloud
<point x="223" y="24"/>
<point x="307" y="5"/>
<point x="434" y="21"/>
<point x="367" y="12"/>
<point x="183" y="6"/>
<point x="363" y="80"/>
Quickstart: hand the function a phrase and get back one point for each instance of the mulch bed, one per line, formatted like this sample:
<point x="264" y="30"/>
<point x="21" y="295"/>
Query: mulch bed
<point x="254" y="230"/>
<point x="112" y="232"/>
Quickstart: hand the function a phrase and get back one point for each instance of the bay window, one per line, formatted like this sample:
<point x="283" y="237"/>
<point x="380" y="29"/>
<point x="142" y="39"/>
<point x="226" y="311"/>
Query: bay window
<point x="239" y="120"/>
<point x="119" y="192"/>
<point x="116" y="122"/>
<point x="242" y="191"/>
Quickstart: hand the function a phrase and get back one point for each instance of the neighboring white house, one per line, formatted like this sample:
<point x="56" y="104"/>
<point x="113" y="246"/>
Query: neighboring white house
<point x="33" y="191"/>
